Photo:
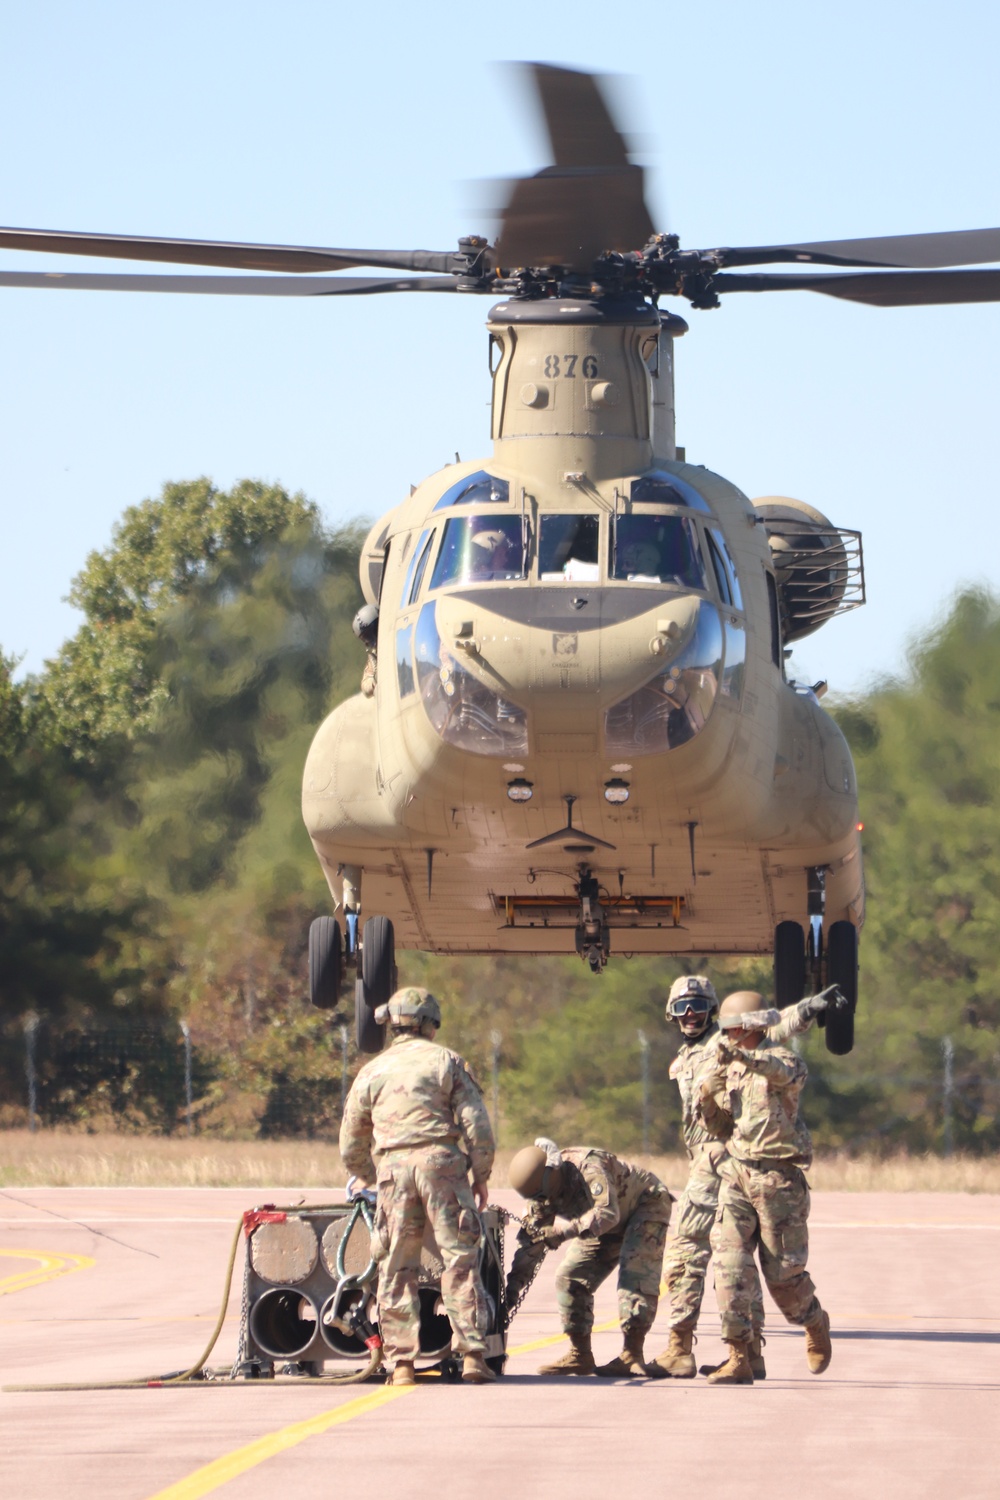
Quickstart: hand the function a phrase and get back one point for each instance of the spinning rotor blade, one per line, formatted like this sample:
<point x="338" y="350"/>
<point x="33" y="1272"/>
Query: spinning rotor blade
<point x="591" y="200"/>
<point x="882" y="289"/>
<point x="962" y="247"/>
<point x="297" y="258"/>
<point x="236" y="286"/>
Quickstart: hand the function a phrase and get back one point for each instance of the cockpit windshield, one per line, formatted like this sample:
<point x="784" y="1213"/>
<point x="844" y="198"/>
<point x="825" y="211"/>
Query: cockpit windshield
<point x="481" y="549"/>
<point x="567" y="549"/>
<point x="657" y="549"/>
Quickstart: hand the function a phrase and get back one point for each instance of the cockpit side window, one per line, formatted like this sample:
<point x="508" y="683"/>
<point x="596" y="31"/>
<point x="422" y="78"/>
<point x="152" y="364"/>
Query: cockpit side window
<point x="725" y="570"/>
<point x="476" y="489"/>
<point x="407" y="594"/>
<point x="568" y="549"/>
<point x="481" y="549"/>
<point x="657" y="549"/>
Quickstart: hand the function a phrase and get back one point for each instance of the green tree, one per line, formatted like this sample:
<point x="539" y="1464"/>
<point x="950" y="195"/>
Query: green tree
<point x="103" y="686"/>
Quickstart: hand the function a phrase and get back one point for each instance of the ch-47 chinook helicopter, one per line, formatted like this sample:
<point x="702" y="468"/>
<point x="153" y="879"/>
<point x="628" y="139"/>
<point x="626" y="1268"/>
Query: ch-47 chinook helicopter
<point x="581" y="736"/>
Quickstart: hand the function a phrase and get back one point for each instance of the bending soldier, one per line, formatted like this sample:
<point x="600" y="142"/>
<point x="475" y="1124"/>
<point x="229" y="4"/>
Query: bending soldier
<point x="415" y="1122"/>
<point x="692" y="1005"/>
<point x="615" y="1215"/>
<point x="751" y="1101"/>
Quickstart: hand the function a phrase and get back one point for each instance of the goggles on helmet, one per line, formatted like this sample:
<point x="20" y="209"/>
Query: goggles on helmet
<point x="697" y="1004"/>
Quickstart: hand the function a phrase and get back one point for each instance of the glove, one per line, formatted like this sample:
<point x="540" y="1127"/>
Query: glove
<point x="726" y="1050"/>
<point x="552" y="1237"/>
<point x="832" y="998"/>
<point x="356" y="1189"/>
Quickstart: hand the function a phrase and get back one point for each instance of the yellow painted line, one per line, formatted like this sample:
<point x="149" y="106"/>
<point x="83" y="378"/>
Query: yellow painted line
<point x="558" y="1338"/>
<point x="48" y="1266"/>
<point x="231" y="1465"/>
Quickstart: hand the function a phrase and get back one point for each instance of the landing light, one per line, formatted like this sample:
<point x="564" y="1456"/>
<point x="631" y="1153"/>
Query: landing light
<point x="520" y="790"/>
<point x="616" y="791"/>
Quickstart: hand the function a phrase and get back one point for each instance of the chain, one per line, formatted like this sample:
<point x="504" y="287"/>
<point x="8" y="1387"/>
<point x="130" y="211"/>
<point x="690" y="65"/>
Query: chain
<point x="241" y="1347"/>
<point x="506" y="1217"/>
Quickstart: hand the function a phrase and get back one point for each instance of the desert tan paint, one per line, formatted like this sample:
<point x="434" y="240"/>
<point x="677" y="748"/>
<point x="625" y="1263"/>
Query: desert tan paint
<point x="768" y="781"/>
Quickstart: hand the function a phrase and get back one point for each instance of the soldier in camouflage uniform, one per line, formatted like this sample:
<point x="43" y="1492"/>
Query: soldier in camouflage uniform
<point x="415" y="1122"/>
<point x="751" y="1100"/>
<point x="692" y="1005"/>
<point x="615" y="1215"/>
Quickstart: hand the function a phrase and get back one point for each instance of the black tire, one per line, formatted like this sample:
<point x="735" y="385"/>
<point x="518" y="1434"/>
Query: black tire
<point x="326" y="963"/>
<point x="378" y="960"/>
<point x="842" y="969"/>
<point x="370" y="1037"/>
<point x="789" y="963"/>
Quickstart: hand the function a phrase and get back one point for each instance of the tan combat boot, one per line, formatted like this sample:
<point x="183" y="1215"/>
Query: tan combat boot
<point x="736" y="1370"/>
<point x="475" y="1370"/>
<point x="677" y="1359"/>
<point x="757" y="1342"/>
<point x="819" y="1350"/>
<point x="629" y="1361"/>
<point x="578" y="1360"/>
<point x="402" y="1373"/>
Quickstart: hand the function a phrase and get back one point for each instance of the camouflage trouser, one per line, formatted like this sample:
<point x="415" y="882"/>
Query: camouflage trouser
<point x="417" y="1189"/>
<point x="764" y="1207"/>
<point x="689" y="1249"/>
<point x="636" y="1248"/>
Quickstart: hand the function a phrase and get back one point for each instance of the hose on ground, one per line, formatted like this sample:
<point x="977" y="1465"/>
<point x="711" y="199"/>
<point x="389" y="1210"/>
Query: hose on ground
<point x="190" y="1377"/>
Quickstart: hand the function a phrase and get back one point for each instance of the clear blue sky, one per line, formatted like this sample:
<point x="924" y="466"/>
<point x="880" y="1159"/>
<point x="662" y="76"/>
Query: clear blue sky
<point x="313" y="123"/>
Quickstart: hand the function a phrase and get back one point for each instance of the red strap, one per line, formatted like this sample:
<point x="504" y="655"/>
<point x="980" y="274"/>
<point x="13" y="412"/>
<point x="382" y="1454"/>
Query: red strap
<point x="266" y="1214"/>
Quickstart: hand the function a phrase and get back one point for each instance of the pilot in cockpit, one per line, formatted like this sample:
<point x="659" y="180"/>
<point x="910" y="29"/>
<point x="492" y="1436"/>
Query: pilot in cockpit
<point x="491" y="553"/>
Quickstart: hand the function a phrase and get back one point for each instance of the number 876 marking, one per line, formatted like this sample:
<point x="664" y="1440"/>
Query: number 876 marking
<point x="564" y="366"/>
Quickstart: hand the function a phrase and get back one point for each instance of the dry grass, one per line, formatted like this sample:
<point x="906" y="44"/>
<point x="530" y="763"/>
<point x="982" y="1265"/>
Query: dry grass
<point x="52" y="1158"/>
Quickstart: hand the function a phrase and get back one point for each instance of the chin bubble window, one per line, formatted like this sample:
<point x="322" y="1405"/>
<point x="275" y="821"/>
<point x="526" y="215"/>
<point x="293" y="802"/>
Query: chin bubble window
<point x="676" y="703"/>
<point x="567" y="549"/>
<point x="481" y="549"/>
<point x="465" y="711"/>
<point x="657" y="549"/>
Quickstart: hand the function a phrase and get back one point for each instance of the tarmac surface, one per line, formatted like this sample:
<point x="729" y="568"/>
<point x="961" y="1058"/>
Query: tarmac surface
<point x="118" y="1283"/>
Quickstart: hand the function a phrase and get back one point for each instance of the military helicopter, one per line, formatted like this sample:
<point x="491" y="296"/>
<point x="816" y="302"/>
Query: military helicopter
<point x="577" y="731"/>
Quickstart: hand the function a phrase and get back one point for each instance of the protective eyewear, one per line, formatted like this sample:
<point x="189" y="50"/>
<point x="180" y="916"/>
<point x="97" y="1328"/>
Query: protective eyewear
<point x="697" y="1004"/>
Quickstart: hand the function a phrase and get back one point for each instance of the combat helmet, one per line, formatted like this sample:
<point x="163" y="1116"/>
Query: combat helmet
<point x="692" y="992"/>
<point x="531" y="1175"/>
<point x="744" y="1010"/>
<point x="409" y="1008"/>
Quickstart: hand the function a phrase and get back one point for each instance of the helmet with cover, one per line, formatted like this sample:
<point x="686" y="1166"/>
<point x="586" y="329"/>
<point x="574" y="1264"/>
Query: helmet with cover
<point x="409" y="1009"/>
<point x="692" y="1003"/>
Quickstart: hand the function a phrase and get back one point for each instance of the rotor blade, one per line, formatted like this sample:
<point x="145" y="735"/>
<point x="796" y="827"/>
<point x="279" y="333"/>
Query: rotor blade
<point x="238" y="286"/>
<point x="880" y="289"/>
<point x="962" y="247"/>
<point x="591" y="200"/>
<point x="581" y="129"/>
<point x="297" y="258"/>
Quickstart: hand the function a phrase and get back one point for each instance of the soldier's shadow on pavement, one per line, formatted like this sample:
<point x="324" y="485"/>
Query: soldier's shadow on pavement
<point x="917" y="1335"/>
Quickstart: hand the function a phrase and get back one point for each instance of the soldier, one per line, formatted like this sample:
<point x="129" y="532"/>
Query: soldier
<point x="365" y="627"/>
<point x="692" y="1005"/>
<point x="415" y="1122"/>
<point x="615" y="1215"/>
<point x="751" y="1100"/>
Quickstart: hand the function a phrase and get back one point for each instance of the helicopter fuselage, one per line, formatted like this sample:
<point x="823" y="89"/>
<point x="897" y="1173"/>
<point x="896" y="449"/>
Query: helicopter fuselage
<point x="581" y="672"/>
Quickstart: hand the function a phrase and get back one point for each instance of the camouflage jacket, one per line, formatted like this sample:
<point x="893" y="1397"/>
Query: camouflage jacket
<point x="600" y="1193"/>
<point x="752" y="1102"/>
<point x="697" y="1059"/>
<point x="415" y="1093"/>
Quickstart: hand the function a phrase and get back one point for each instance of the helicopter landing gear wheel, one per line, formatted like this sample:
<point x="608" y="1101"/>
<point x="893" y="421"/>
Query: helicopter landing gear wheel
<point x="369" y="1036"/>
<point x="789" y="963"/>
<point x="326" y="963"/>
<point x="842" y="969"/>
<point x="376" y="982"/>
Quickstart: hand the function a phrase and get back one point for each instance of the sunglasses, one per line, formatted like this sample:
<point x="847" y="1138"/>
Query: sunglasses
<point x="697" y="1004"/>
